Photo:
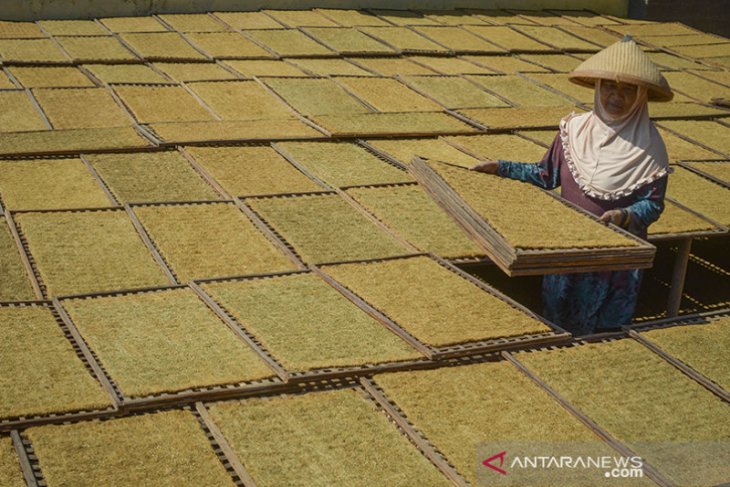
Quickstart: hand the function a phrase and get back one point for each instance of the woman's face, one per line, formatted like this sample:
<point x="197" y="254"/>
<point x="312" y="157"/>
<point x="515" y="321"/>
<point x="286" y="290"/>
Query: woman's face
<point x="617" y="98"/>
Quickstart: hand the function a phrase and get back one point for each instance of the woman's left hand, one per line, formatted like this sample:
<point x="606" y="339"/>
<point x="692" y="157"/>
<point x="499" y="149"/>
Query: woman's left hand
<point x="613" y="216"/>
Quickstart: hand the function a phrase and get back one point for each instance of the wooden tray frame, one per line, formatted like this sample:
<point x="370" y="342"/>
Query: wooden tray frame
<point x="540" y="261"/>
<point x="286" y="375"/>
<point x="634" y="331"/>
<point x="257" y="222"/>
<point x="467" y="348"/>
<point x="690" y="166"/>
<point x="85" y="355"/>
<point x="614" y="443"/>
<point x="160" y="399"/>
<point x="34" y="473"/>
<point x="718" y="230"/>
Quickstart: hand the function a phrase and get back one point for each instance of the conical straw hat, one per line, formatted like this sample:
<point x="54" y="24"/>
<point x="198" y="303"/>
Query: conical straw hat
<point x="623" y="61"/>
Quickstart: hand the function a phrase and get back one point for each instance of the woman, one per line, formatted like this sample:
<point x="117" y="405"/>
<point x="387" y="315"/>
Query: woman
<point x="613" y="163"/>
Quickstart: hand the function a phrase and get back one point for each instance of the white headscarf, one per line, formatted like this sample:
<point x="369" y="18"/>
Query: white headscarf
<point x="612" y="157"/>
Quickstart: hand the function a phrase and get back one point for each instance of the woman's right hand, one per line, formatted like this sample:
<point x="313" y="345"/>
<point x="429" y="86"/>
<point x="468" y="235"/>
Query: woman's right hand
<point x="489" y="167"/>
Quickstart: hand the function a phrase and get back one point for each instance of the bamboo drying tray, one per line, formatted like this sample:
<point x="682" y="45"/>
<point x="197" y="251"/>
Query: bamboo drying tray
<point x="387" y="94"/>
<point x="96" y="50"/>
<point x="171" y="447"/>
<point x="452" y="17"/>
<point x="722" y="77"/>
<point x="56" y="142"/>
<point x="50" y="77"/>
<point x="348" y="41"/>
<point x="337" y="437"/>
<point x="210" y="240"/>
<point x="709" y="134"/>
<point x="161" y="46"/>
<point x="329" y="67"/>
<point x="669" y="61"/>
<point x="499" y="146"/>
<point x="340" y="164"/>
<point x="31" y="51"/>
<point x="696" y="345"/>
<point x="392" y="124"/>
<point x="497" y="16"/>
<point x="151" y="177"/>
<point x="505" y="64"/>
<point x="405" y="40"/>
<point x="11" y="474"/>
<point x="162" y="341"/>
<point x="700" y="194"/>
<point x="252" y="67"/>
<point x="500" y="119"/>
<point x="183" y="72"/>
<point x="352" y="18"/>
<point x="459" y="40"/>
<point x="5" y="82"/>
<point x="684" y="111"/>
<point x="86" y="251"/>
<point x="248" y="20"/>
<point x="20" y="30"/>
<point x="162" y="103"/>
<point x="430" y="402"/>
<point x="133" y="24"/>
<point x="678" y="221"/>
<point x="316" y="96"/>
<point x="561" y="63"/>
<point x="403" y="17"/>
<point x="508" y="38"/>
<point x="402" y="151"/>
<point x="125" y="73"/>
<point x="449" y="65"/>
<point x="228" y="45"/>
<point x="289" y="42"/>
<point x="391" y="66"/>
<point x="174" y="133"/>
<point x="698" y="88"/>
<point x="492" y="210"/>
<point x="560" y="83"/>
<point x="650" y="29"/>
<point x="308" y="329"/>
<point x="241" y="100"/>
<point x="80" y="108"/>
<point x="300" y="18"/>
<point x="485" y="321"/>
<point x="73" y="28"/>
<point x="521" y="91"/>
<point x="18" y="112"/>
<point x="44" y="184"/>
<point x="557" y="38"/>
<point x="252" y="170"/>
<point x="193" y="22"/>
<point x="16" y="284"/>
<point x="707" y="53"/>
<point x="542" y="137"/>
<point x="541" y="17"/>
<point x="413" y="215"/>
<point x="659" y="406"/>
<point x="680" y="149"/>
<point x="592" y="34"/>
<point x="44" y="371"/>
<point x="453" y="92"/>
<point x="325" y="228"/>
<point x="718" y="171"/>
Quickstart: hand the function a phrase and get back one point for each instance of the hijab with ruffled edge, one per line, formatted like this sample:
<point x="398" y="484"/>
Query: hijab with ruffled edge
<point x="611" y="157"/>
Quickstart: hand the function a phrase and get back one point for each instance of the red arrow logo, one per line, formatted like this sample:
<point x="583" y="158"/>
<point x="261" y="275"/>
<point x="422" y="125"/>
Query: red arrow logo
<point x="488" y="462"/>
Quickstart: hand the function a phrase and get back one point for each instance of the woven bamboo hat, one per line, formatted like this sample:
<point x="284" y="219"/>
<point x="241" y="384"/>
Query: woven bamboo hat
<point x="623" y="61"/>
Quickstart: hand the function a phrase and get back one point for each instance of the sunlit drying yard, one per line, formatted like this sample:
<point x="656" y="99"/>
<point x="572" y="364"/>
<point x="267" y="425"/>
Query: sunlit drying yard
<point x="220" y="265"/>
